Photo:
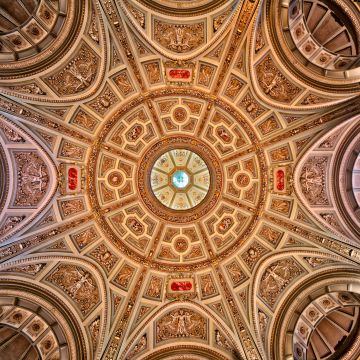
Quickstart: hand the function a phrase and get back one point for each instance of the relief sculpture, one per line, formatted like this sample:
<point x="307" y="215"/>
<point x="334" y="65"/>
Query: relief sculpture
<point x="179" y="38"/>
<point x="313" y="179"/>
<point x="33" y="179"/>
<point x="277" y="277"/>
<point x="10" y="223"/>
<point x="181" y="323"/>
<point x="155" y="177"/>
<point x="274" y="83"/>
<point x="77" y="75"/>
<point x="77" y="283"/>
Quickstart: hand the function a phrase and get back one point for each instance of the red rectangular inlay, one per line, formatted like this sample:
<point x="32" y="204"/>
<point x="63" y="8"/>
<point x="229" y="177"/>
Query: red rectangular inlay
<point x="179" y="74"/>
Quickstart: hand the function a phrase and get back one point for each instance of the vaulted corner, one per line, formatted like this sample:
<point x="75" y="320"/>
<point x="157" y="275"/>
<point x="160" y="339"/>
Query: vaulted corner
<point x="31" y="328"/>
<point x="322" y="323"/>
<point x="328" y="174"/>
<point x="179" y="322"/>
<point x="29" y="180"/>
<point x="179" y="180"/>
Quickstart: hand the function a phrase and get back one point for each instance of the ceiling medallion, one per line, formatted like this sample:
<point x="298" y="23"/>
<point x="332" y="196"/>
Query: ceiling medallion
<point x="180" y="179"/>
<point x="180" y="185"/>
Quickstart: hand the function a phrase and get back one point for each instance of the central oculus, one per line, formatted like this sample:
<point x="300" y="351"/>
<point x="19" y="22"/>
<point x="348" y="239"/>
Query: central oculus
<point x="180" y="179"/>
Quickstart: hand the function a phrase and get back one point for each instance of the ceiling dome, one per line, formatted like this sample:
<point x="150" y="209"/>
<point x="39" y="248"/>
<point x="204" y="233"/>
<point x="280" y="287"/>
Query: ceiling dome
<point x="329" y="25"/>
<point x="35" y="31"/>
<point x="325" y="33"/>
<point x="36" y="325"/>
<point x="17" y="345"/>
<point x="318" y="40"/>
<point x="159" y="202"/>
<point x="16" y="14"/>
<point x="176" y="188"/>
<point x="327" y="327"/>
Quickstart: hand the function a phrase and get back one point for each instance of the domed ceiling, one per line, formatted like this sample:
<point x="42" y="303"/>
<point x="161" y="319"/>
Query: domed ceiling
<point x="179" y="179"/>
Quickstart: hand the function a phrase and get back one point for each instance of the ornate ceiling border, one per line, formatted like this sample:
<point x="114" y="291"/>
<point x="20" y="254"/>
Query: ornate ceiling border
<point x="4" y="178"/>
<point x="296" y="80"/>
<point x="177" y="9"/>
<point x="343" y="161"/>
<point x="333" y="179"/>
<point x="90" y="265"/>
<point x="174" y="305"/>
<point x="188" y="349"/>
<point x="66" y="59"/>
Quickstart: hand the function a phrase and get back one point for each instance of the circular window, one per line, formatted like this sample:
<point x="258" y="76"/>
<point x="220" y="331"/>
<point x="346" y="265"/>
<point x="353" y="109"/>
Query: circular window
<point x="180" y="179"/>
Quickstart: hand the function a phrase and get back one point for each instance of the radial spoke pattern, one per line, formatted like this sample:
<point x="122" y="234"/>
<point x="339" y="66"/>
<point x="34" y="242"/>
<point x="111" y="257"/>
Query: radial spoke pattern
<point x="180" y="179"/>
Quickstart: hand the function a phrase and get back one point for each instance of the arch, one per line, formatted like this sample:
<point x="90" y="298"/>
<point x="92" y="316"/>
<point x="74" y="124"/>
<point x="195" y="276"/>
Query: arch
<point x="177" y="352"/>
<point x="14" y="270"/>
<point x="297" y="273"/>
<point x="226" y="342"/>
<point x="324" y="183"/>
<point x="30" y="181"/>
<point x="33" y="300"/>
<point x="339" y="280"/>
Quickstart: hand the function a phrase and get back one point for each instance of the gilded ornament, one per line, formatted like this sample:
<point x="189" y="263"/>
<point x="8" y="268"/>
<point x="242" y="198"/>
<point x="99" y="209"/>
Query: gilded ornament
<point x="78" y="75"/>
<point x="104" y="256"/>
<point x="124" y="83"/>
<point x="104" y="101"/>
<point x="274" y="83"/>
<point x="313" y="180"/>
<point x="153" y="72"/>
<point x="33" y="179"/>
<point x="277" y="277"/>
<point x="236" y="274"/>
<point x="207" y="286"/>
<point x="179" y="38"/>
<point x="179" y="324"/>
<point x="251" y="106"/>
<point x="206" y="73"/>
<point x="78" y="284"/>
<point x="155" y="287"/>
<point x="72" y="207"/>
